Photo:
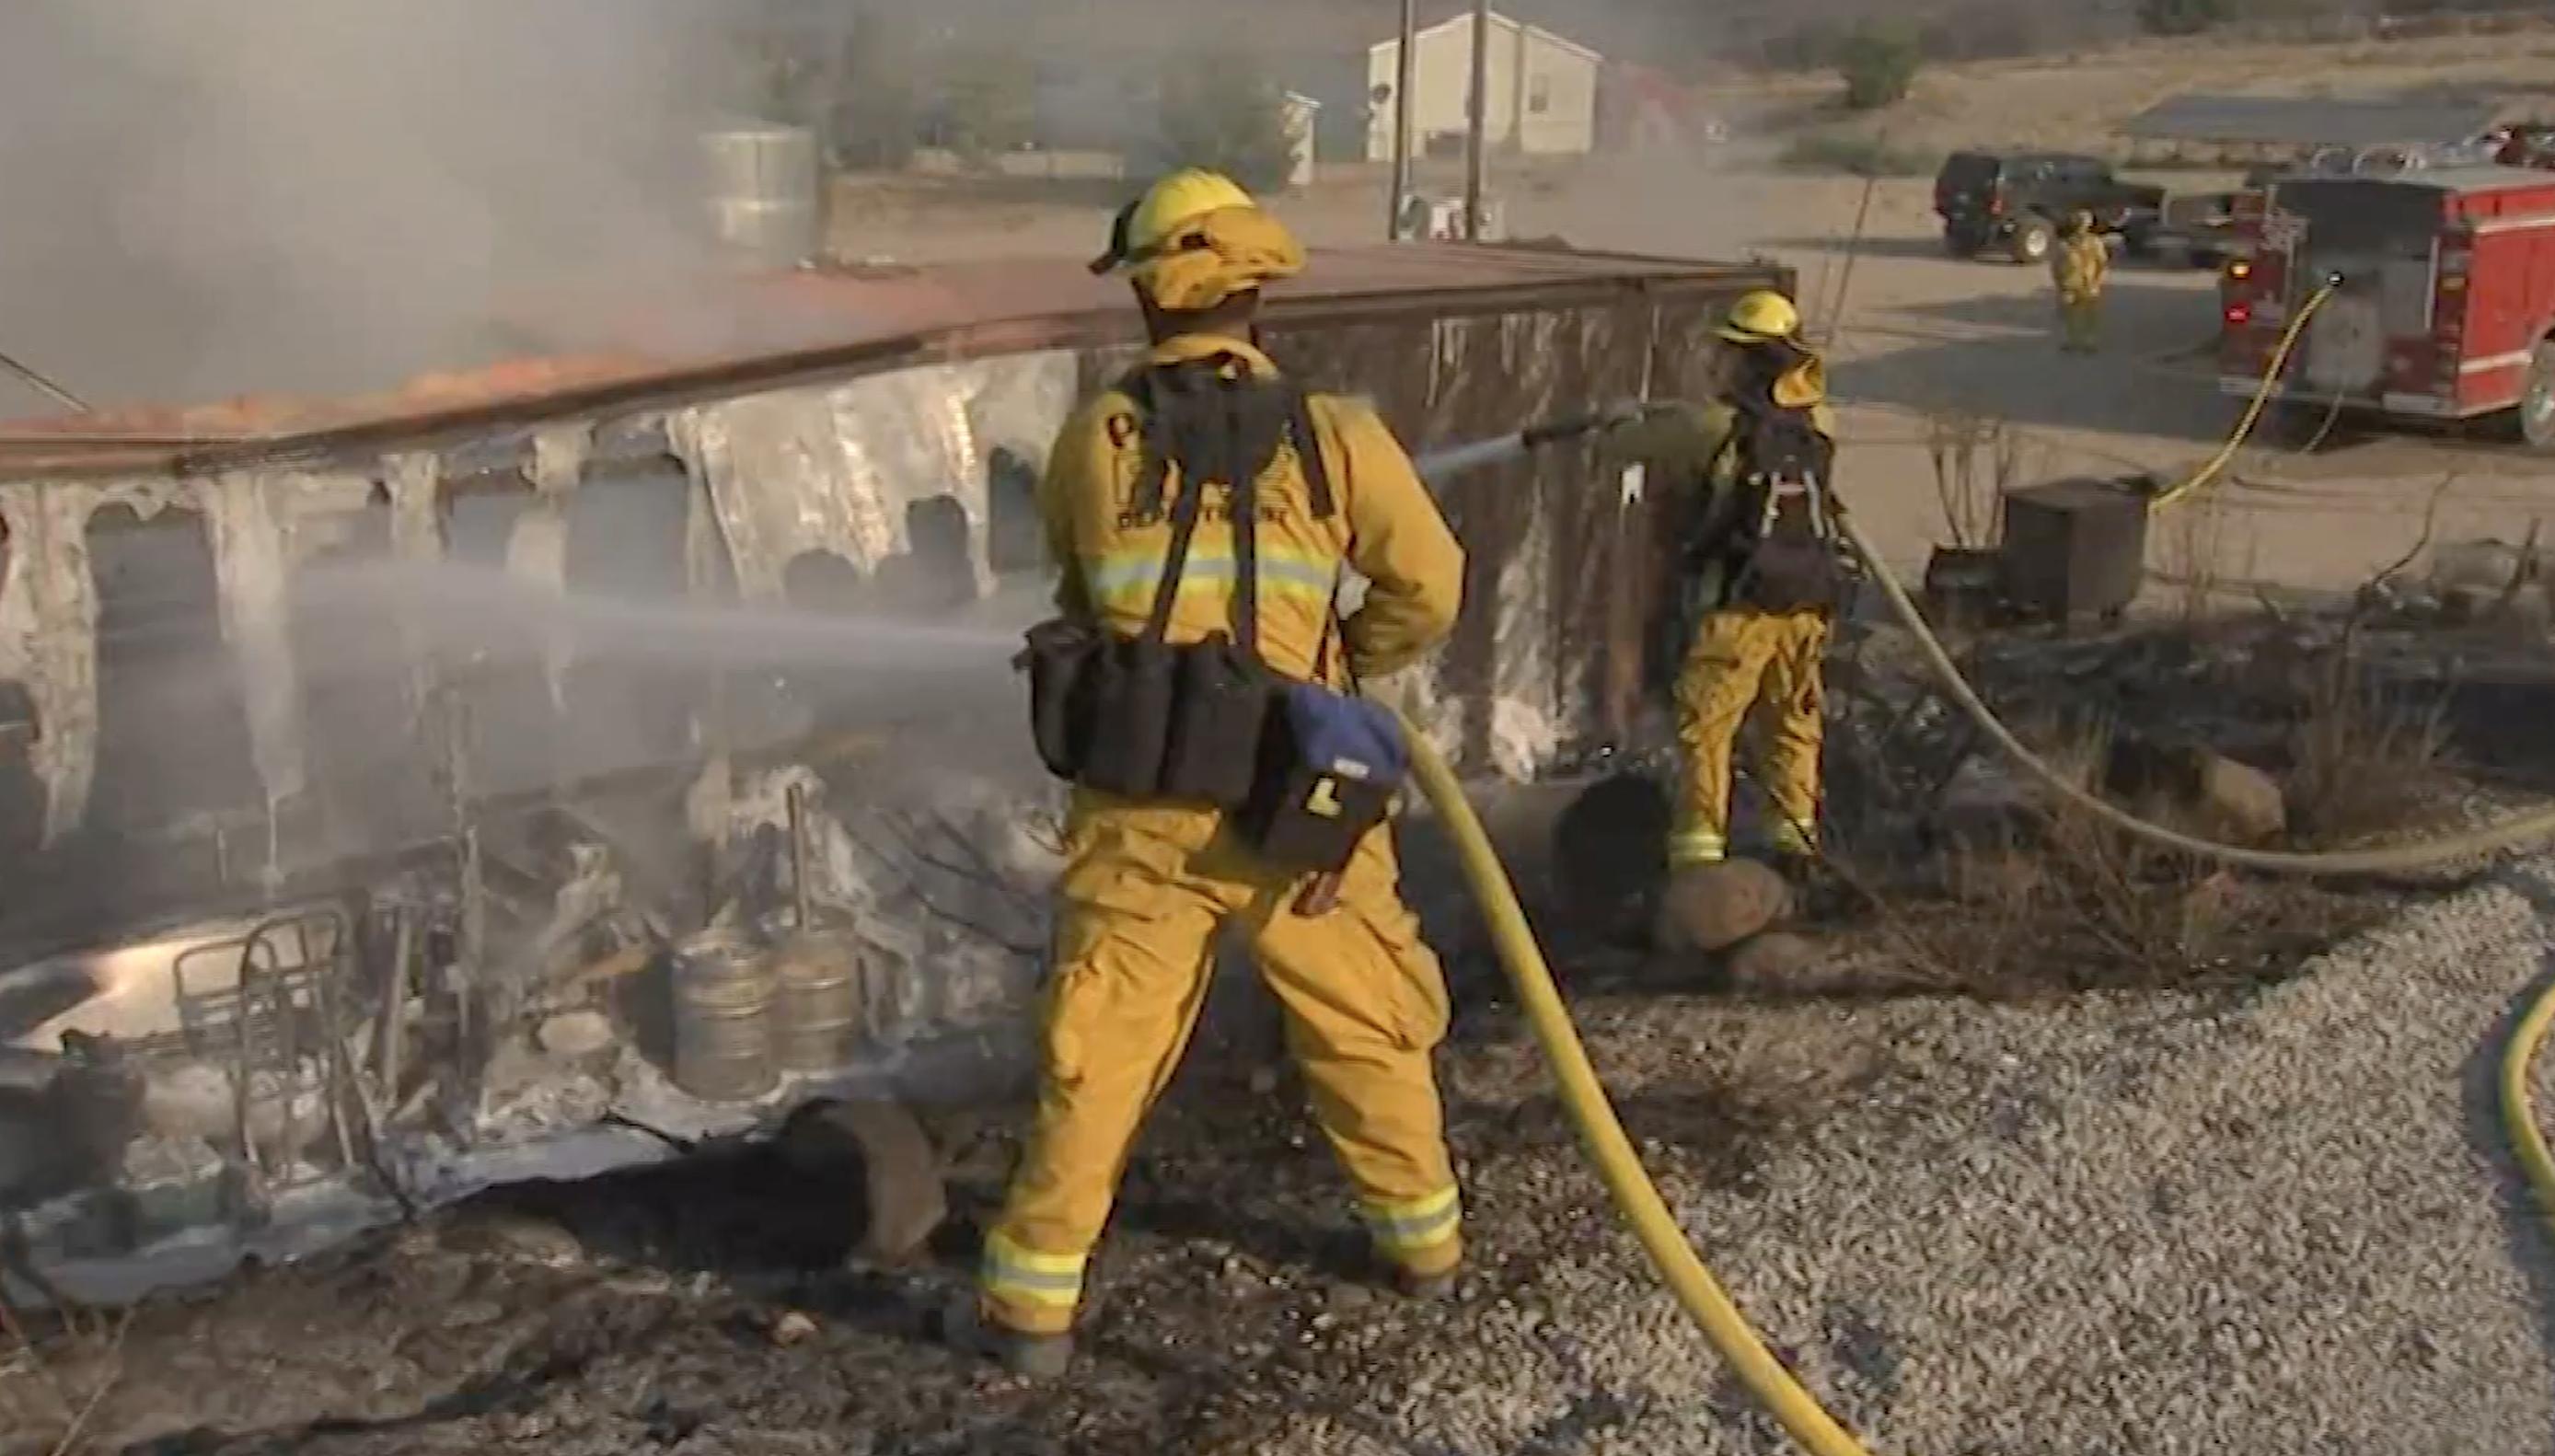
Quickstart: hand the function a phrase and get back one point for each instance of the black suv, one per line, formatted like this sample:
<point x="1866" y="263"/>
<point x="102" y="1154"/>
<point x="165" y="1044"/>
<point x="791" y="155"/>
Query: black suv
<point x="2016" y="203"/>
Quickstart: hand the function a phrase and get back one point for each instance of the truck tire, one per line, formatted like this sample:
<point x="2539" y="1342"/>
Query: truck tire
<point x="2537" y="401"/>
<point x="1963" y="242"/>
<point x="2031" y="239"/>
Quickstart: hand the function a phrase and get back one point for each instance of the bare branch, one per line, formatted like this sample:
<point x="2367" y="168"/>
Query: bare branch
<point x="108" y="1381"/>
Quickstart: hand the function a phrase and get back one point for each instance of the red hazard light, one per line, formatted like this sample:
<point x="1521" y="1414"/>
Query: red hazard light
<point x="2240" y="315"/>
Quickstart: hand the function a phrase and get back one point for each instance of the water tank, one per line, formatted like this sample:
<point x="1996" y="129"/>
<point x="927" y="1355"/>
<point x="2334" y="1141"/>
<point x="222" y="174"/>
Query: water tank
<point x="764" y="186"/>
<point x="724" y="988"/>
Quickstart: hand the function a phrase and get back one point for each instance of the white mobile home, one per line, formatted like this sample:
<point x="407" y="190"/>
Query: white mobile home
<point x="1541" y="94"/>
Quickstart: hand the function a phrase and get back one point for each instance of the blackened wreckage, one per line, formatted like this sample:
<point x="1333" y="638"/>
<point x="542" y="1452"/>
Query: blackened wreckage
<point x="318" y="912"/>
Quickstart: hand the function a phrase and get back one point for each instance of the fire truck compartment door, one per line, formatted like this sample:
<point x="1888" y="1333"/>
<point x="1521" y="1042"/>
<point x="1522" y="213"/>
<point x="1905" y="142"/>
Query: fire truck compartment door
<point x="2346" y="344"/>
<point x="2405" y="292"/>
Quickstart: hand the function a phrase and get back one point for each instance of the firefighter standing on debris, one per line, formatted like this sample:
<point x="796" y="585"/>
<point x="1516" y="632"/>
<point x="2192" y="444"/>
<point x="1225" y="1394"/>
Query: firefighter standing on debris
<point x="2078" y="266"/>
<point x="1763" y="575"/>
<point x="1150" y="880"/>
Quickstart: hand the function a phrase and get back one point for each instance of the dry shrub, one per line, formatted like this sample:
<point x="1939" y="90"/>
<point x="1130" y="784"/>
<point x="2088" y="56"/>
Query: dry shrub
<point x="2198" y="540"/>
<point x="2054" y="900"/>
<point x="1976" y="461"/>
<point x="2360" y="763"/>
<point x="50" y="1390"/>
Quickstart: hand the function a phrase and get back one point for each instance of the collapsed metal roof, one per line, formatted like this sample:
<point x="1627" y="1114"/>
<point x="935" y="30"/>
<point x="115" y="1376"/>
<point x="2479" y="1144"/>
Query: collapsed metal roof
<point x="376" y="814"/>
<point x="2298" y="121"/>
<point x="744" y="334"/>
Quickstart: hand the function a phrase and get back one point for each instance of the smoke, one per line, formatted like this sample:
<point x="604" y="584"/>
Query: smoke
<point x="207" y="200"/>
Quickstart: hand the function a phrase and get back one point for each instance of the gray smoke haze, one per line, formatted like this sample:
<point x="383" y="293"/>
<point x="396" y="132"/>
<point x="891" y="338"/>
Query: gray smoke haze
<point x="209" y="199"/>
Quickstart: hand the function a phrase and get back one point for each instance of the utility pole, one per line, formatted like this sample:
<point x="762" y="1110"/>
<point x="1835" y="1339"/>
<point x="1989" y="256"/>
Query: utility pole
<point x="1404" y="67"/>
<point x="1477" y="121"/>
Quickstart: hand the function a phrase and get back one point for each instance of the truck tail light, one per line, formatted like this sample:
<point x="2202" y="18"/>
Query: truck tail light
<point x="2240" y="314"/>
<point x="2240" y="269"/>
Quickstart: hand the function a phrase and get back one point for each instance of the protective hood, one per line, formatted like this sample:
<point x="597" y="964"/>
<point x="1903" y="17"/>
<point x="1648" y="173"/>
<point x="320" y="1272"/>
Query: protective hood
<point x="1802" y="385"/>
<point x="1786" y="373"/>
<point x="1217" y="254"/>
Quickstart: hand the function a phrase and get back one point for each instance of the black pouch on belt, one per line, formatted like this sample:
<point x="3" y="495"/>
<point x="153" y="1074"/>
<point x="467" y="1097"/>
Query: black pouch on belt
<point x="1059" y="658"/>
<point x="1141" y="717"/>
<point x="1219" y="718"/>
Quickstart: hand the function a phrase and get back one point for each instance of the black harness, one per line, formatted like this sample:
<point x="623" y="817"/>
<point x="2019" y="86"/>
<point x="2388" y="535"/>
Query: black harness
<point x="1305" y="773"/>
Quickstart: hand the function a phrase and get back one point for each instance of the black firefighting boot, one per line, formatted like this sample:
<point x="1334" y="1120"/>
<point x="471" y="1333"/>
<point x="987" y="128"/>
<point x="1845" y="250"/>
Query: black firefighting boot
<point x="1433" y="1288"/>
<point x="964" y="1328"/>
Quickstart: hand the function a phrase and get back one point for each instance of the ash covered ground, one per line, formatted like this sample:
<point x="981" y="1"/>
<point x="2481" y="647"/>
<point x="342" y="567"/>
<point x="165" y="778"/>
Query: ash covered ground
<point x="2044" y="1147"/>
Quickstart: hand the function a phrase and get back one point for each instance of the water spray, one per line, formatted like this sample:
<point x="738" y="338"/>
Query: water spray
<point x="1452" y="460"/>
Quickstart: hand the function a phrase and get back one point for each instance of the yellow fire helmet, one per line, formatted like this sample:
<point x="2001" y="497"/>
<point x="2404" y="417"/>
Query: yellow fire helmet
<point x="1761" y="317"/>
<point x="1143" y="226"/>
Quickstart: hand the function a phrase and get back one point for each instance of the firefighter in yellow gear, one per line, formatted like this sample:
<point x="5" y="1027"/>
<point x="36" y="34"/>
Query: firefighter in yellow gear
<point x="1747" y="656"/>
<point x="2078" y="266"/>
<point x="1148" y="885"/>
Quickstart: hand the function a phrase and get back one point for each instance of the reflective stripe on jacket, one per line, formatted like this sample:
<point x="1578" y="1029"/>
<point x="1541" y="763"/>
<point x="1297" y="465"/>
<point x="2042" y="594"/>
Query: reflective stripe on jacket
<point x="1386" y="527"/>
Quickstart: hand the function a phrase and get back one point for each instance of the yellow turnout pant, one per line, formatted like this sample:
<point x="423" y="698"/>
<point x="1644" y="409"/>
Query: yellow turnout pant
<point x="1747" y="663"/>
<point x="1145" y="890"/>
<point x="2081" y="322"/>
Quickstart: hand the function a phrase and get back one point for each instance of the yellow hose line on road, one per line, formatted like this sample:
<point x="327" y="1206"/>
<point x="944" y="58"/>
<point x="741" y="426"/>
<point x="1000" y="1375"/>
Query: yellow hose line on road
<point x="2518" y="1107"/>
<point x="2253" y="414"/>
<point x="1616" y="1163"/>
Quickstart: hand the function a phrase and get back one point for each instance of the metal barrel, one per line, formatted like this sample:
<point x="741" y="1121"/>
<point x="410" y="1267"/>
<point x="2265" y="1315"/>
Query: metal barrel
<point x="764" y="192"/>
<point x="723" y="999"/>
<point x="817" y="1023"/>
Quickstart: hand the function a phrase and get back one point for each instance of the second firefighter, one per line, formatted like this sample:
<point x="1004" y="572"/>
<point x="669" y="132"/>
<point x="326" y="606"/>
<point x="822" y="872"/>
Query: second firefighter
<point x="1762" y="573"/>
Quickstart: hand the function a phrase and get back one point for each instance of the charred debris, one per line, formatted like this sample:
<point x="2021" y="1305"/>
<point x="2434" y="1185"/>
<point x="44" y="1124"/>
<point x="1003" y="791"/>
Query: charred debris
<point x="552" y="770"/>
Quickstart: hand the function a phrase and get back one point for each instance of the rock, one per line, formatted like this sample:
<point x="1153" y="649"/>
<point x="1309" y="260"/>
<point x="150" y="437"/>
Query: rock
<point x="899" y="1171"/>
<point x="2240" y="801"/>
<point x="513" y="1238"/>
<point x="1715" y="907"/>
<point x="2462" y="606"/>
<point x="1775" y="961"/>
<point x="2213" y="792"/>
<point x="1608" y="853"/>
<point x="575" y="1034"/>
<point x="2486" y="566"/>
<point x="792" y="1328"/>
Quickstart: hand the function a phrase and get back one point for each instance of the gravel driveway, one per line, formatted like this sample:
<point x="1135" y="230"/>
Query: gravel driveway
<point x="2274" y="1221"/>
<point x="2281" y="1224"/>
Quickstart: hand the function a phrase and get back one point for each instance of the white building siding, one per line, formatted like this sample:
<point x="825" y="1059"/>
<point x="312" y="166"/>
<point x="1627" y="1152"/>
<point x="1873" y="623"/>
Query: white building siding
<point x="1542" y="89"/>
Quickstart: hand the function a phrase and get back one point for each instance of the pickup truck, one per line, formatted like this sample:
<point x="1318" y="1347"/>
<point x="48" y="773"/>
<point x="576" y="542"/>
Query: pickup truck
<point x="2016" y="203"/>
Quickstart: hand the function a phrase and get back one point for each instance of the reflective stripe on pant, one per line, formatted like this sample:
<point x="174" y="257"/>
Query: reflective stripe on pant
<point x="1747" y="663"/>
<point x="1141" y="897"/>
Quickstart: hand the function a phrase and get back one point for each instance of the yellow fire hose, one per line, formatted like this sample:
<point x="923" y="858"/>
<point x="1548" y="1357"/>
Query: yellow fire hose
<point x="1619" y="1164"/>
<point x="1603" y="1133"/>
<point x="2263" y="393"/>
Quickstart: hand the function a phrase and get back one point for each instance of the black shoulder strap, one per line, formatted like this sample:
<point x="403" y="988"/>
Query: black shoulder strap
<point x="1155" y="436"/>
<point x="1307" y="438"/>
<point x="1219" y="425"/>
<point x="1184" y="520"/>
<point x="1154" y="459"/>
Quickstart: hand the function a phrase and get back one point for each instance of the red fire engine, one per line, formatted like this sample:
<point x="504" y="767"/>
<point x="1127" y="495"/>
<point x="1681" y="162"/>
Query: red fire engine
<point x="2441" y="301"/>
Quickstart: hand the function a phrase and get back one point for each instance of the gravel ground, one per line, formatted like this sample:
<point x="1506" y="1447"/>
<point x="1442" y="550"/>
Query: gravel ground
<point x="2274" y="1220"/>
<point x="2160" y="1225"/>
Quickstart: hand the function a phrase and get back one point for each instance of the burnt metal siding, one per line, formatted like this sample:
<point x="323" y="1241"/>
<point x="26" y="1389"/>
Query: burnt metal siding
<point x="1462" y="370"/>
